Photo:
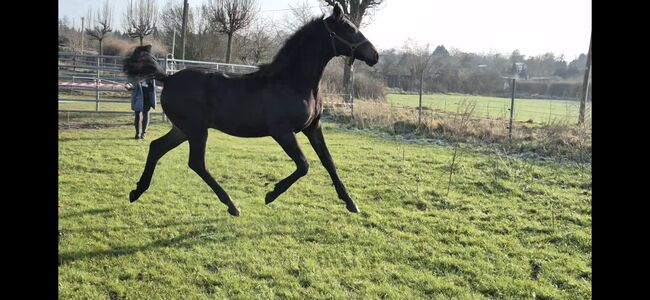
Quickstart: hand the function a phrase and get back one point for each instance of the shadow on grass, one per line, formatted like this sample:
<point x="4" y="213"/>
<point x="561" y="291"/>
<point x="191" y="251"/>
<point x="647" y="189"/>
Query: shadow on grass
<point x="165" y="225"/>
<point x="96" y="211"/>
<point x="184" y="240"/>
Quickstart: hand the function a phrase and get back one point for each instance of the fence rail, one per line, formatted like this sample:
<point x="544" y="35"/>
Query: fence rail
<point x="84" y="73"/>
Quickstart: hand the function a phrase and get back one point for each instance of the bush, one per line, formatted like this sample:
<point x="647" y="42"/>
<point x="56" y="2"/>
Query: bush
<point x="483" y="83"/>
<point x="365" y="86"/>
<point x="118" y="47"/>
<point x="563" y="89"/>
<point x="121" y="47"/>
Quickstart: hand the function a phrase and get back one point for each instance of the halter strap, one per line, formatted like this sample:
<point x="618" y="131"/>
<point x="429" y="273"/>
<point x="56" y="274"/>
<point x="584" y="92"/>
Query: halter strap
<point x="352" y="46"/>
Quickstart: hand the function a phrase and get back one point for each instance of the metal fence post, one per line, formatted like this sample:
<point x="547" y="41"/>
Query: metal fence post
<point x="512" y="110"/>
<point x="487" y="110"/>
<point x="97" y="87"/>
<point x="420" y="106"/>
<point x="352" y="94"/>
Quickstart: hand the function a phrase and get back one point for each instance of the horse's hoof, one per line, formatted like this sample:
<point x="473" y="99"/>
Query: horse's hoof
<point x="352" y="207"/>
<point x="134" y="195"/>
<point x="270" y="197"/>
<point x="234" y="211"/>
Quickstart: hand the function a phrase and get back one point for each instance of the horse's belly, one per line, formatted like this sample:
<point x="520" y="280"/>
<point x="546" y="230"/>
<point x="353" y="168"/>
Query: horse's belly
<point x="242" y="123"/>
<point x="241" y="131"/>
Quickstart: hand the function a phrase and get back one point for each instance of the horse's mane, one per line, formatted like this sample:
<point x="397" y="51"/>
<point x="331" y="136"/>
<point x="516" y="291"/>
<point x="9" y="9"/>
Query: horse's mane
<point x="298" y="41"/>
<point x="142" y="63"/>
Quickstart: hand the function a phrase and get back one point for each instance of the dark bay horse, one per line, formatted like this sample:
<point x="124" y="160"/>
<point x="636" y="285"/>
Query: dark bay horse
<point x="278" y="100"/>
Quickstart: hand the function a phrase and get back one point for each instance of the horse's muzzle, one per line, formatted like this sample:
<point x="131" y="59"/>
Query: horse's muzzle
<point x="374" y="60"/>
<point x="370" y="55"/>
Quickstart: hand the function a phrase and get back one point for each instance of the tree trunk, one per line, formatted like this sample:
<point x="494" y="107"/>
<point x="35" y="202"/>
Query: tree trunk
<point x="347" y="80"/>
<point x="183" y="27"/>
<point x="101" y="48"/>
<point x="228" y="49"/>
<point x="348" y="71"/>
<point x="140" y="40"/>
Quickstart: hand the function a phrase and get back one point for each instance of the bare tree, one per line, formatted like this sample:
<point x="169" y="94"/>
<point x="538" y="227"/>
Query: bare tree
<point x="98" y="28"/>
<point x="299" y="14"/>
<point x="355" y="10"/>
<point x="171" y="22"/>
<point x="388" y="62"/>
<point x="140" y="19"/>
<point x="204" y="42"/>
<point x="230" y="16"/>
<point x="255" y="44"/>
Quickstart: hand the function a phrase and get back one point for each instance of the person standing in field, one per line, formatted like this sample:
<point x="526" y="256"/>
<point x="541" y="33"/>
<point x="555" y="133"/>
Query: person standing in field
<point x="143" y="98"/>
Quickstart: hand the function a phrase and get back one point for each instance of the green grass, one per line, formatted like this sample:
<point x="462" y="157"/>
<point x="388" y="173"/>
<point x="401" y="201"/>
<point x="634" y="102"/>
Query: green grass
<point x="540" y="111"/>
<point x="508" y="228"/>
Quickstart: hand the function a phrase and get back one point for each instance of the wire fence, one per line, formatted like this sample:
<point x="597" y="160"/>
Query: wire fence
<point x="525" y="110"/>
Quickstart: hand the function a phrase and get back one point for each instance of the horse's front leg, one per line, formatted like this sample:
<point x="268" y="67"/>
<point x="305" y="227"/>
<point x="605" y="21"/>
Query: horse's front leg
<point x="157" y="149"/>
<point x="315" y="135"/>
<point x="290" y="146"/>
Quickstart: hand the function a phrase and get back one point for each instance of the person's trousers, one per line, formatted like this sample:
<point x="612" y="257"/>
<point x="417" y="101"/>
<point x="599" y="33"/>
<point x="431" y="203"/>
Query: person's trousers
<point x="142" y="121"/>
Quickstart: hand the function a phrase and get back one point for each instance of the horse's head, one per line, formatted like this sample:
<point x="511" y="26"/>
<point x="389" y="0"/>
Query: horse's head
<point x="347" y="40"/>
<point x="141" y="63"/>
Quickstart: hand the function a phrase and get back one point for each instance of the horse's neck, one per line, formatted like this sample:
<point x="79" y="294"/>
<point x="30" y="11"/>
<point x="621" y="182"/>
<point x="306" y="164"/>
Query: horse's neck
<point x="305" y="66"/>
<point x="309" y="73"/>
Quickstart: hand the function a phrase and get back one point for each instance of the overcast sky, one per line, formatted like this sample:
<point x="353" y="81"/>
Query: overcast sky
<point x="532" y="26"/>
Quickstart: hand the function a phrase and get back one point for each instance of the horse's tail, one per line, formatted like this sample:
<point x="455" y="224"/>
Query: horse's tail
<point x="141" y="64"/>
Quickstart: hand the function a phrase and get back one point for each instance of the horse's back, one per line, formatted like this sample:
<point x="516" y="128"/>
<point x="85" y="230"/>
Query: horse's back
<point x="229" y="103"/>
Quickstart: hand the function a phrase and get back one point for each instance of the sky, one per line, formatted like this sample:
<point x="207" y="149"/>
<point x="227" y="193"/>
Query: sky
<point x="533" y="27"/>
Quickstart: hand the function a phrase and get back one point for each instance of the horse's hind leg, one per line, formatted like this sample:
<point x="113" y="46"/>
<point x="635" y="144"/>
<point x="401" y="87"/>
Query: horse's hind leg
<point x="198" y="139"/>
<point x="290" y="145"/>
<point x="157" y="149"/>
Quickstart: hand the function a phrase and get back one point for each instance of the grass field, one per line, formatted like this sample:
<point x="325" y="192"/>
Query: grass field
<point x="508" y="228"/>
<point x="540" y="111"/>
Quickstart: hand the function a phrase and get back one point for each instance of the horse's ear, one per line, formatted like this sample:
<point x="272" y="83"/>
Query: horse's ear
<point x="147" y="48"/>
<point x="338" y="12"/>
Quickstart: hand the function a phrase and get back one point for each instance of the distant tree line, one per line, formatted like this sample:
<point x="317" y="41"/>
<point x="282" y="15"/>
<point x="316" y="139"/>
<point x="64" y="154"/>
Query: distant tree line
<point x="455" y="71"/>
<point x="233" y="31"/>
